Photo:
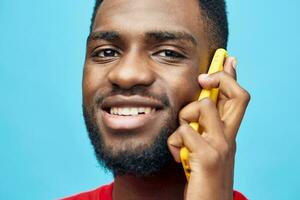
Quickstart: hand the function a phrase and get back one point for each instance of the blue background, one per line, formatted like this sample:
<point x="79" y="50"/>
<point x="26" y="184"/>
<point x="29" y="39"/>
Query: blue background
<point x="44" y="149"/>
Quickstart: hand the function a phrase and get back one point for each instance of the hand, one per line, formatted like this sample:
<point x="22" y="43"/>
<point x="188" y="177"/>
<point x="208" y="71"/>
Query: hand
<point x="212" y="153"/>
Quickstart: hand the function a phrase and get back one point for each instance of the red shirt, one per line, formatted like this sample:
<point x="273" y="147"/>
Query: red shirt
<point x="105" y="193"/>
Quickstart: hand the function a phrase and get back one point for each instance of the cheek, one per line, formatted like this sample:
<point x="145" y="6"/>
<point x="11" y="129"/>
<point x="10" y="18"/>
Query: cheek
<point x="183" y="88"/>
<point x="183" y="83"/>
<point x="93" y="79"/>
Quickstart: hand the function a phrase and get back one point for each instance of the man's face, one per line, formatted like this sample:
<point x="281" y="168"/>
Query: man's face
<point x="142" y="62"/>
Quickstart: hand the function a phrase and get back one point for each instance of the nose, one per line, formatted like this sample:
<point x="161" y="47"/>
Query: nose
<point x="132" y="70"/>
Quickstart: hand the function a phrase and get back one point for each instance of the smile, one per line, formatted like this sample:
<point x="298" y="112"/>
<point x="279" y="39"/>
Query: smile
<point x="128" y="113"/>
<point x="128" y="118"/>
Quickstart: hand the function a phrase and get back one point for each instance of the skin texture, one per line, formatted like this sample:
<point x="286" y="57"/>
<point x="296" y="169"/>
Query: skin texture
<point x="140" y="59"/>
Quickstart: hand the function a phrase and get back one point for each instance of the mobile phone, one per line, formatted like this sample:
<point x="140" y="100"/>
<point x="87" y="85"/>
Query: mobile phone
<point x="215" y="66"/>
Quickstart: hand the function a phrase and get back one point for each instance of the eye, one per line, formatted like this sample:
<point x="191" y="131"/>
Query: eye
<point x="106" y="53"/>
<point x="170" y="54"/>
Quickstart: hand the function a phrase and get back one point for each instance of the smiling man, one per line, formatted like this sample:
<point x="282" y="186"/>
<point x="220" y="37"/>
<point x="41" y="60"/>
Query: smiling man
<point x="146" y="63"/>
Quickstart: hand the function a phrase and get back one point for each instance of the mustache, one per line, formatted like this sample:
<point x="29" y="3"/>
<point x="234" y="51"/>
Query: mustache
<point x="140" y="90"/>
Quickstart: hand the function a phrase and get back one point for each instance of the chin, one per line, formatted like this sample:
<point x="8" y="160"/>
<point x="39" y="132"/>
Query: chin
<point x="140" y="151"/>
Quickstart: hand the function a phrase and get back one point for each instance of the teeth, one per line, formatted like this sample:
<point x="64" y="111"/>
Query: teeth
<point x="134" y="111"/>
<point x="147" y="110"/>
<point x="124" y="111"/>
<point x="141" y="110"/>
<point x="128" y="111"/>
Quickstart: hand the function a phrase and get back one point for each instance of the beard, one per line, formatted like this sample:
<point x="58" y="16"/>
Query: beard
<point x="139" y="160"/>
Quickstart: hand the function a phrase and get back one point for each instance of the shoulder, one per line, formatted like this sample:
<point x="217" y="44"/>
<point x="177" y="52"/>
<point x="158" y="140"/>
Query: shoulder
<point x="238" y="196"/>
<point x="101" y="193"/>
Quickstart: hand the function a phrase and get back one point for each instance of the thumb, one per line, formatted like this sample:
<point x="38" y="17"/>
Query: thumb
<point x="174" y="144"/>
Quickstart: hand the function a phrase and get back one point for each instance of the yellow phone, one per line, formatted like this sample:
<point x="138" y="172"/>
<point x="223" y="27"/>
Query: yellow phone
<point x="215" y="66"/>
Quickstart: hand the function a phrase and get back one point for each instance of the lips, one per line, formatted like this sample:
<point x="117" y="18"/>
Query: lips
<point x="125" y="113"/>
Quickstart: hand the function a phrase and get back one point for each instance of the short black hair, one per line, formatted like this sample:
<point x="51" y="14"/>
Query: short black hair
<point x="215" y="17"/>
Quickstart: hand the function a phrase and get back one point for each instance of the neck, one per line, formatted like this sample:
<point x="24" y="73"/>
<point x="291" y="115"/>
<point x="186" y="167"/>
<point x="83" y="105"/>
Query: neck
<point x="169" y="184"/>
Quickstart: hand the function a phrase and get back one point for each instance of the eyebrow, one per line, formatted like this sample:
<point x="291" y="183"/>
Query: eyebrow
<point x="159" y="36"/>
<point x="110" y="36"/>
<point x="163" y="36"/>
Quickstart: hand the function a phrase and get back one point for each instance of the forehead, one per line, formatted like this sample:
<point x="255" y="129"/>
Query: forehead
<point x="140" y="16"/>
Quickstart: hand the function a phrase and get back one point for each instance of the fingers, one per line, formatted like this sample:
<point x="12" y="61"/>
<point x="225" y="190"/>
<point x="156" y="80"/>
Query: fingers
<point x="201" y="151"/>
<point x="237" y="98"/>
<point x="203" y="146"/>
<point x="218" y="132"/>
<point x="224" y="81"/>
<point x="227" y="85"/>
<point x="188" y="137"/>
<point x="230" y="66"/>
<point x="206" y="114"/>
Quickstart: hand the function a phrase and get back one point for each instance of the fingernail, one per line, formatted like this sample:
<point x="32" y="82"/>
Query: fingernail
<point x="234" y="63"/>
<point x="203" y="76"/>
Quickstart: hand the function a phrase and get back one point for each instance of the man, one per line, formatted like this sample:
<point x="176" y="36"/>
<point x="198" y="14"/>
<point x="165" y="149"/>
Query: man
<point x="140" y="89"/>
